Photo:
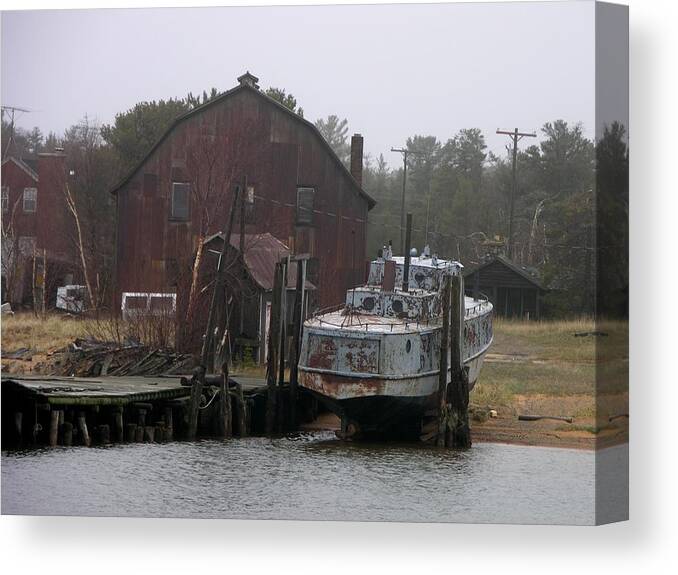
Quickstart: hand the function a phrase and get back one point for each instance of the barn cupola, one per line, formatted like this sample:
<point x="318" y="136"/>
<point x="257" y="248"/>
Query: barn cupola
<point x="250" y="80"/>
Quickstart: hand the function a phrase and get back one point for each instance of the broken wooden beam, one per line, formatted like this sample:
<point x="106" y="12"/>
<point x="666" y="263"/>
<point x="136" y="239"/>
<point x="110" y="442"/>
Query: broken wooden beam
<point x="568" y="419"/>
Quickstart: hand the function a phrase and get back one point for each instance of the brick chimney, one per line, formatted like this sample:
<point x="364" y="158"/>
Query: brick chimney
<point x="54" y="221"/>
<point x="357" y="158"/>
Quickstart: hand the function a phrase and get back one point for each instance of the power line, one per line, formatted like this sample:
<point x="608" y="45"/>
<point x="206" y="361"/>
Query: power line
<point x="516" y="136"/>
<point x="12" y="111"/>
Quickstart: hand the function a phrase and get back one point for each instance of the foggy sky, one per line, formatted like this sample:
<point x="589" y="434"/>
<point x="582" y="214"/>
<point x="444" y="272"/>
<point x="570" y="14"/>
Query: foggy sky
<point x="392" y="70"/>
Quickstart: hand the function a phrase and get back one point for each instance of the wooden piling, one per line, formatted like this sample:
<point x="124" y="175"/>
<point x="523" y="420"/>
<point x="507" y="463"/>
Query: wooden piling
<point x="225" y="423"/>
<point x="159" y="435"/>
<point x="104" y="434"/>
<point x="149" y="434"/>
<point x="297" y="330"/>
<point x="442" y="376"/>
<point x="280" y="415"/>
<point x="68" y="433"/>
<point x="119" y="428"/>
<point x="169" y="424"/>
<point x="53" y="428"/>
<point x="139" y="434"/>
<point x="273" y="346"/>
<point x="241" y="410"/>
<point x="458" y="431"/>
<point x="141" y="414"/>
<point x="196" y="395"/>
<point x="131" y="432"/>
<point x="82" y="428"/>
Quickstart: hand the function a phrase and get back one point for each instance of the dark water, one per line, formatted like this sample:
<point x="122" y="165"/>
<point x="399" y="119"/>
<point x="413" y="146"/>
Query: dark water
<point x="309" y="477"/>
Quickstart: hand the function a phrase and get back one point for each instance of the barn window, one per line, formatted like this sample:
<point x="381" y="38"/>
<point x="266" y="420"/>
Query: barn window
<point x="5" y="198"/>
<point x="181" y="195"/>
<point x="30" y="199"/>
<point x="305" y="205"/>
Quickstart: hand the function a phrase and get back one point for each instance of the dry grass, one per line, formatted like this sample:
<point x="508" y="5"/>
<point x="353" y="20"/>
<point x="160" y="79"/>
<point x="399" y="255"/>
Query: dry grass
<point x="40" y="335"/>
<point x="545" y="360"/>
<point x="24" y="330"/>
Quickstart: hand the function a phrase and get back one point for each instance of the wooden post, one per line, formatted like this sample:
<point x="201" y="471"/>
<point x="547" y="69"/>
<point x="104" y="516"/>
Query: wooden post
<point x="159" y="431"/>
<point x="68" y="433"/>
<point x="442" y="376"/>
<point x="169" y="424"/>
<point x="142" y="417"/>
<point x="82" y="427"/>
<point x="280" y="415"/>
<point x="131" y="432"/>
<point x="139" y="434"/>
<point x="53" y="428"/>
<point x="406" y="267"/>
<point x="105" y="434"/>
<point x="218" y="296"/>
<point x="149" y="434"/>
<point x="119" y="428"/>
<point x="458" y="432"/>
<point x="225" y="418"/>
<point x="196" y="394"/>
<point x="242" y="410"/>
<point x="297" y="330"/>
<point x="273" y="346"/>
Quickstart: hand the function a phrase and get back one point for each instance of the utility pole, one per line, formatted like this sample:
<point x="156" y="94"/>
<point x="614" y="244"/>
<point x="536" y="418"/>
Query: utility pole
<point x="515" y="136"/>
<point x="12" y="110"/>
<point x="405" y="152"/>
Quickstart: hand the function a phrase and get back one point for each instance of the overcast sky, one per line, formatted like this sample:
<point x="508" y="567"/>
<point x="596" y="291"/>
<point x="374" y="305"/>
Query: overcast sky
<point x="392" y="70"/>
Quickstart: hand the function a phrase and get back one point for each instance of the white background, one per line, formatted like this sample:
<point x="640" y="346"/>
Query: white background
<point x="645" y="544"/>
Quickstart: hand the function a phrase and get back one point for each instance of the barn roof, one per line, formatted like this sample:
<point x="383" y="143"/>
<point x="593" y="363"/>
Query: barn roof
<point x="262" y="253"/>
<point x="253" y="88"/>
<point x="22" y="165"/>
<point x="510" y="265"/>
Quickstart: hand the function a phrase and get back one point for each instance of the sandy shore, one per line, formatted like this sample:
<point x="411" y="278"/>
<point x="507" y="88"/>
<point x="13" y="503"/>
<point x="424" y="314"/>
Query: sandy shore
<point x="508" y="429"/>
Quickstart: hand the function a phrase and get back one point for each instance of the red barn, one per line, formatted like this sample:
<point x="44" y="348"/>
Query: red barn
<point x="295" y="186"/>
<point x="35" y="225"/>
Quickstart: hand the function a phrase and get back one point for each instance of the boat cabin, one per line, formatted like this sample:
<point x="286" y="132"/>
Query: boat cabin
<point x="387" y="294"/>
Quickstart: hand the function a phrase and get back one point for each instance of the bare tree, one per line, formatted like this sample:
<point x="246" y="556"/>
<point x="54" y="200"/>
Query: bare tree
<point x="215" y="164"/>
<point x="91" y="169"/>
<point x="12" y="260"/>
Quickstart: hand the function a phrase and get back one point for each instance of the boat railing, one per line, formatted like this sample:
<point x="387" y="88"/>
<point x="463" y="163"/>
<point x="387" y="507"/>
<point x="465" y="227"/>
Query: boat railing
<point x="482" y="301"/>
<point x="351" y="318"/>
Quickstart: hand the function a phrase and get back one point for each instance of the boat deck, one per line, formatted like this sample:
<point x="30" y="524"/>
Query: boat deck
<point x="370" y="323"/>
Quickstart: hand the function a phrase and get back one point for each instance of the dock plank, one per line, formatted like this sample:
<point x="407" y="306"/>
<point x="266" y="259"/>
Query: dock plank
<point x="110" y="390"/>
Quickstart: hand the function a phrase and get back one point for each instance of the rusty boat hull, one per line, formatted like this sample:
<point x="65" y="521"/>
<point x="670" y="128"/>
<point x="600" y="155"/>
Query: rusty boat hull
<point x="379" y="407"/>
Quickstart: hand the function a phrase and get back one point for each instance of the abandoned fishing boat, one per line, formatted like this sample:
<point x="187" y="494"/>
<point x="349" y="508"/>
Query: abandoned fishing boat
<point x="375" y="361"/>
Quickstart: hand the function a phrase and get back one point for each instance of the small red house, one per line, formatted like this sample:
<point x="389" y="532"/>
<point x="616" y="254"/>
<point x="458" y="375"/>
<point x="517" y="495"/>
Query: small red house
<point x="295" y="188"/>
<point x="35" y="225"/>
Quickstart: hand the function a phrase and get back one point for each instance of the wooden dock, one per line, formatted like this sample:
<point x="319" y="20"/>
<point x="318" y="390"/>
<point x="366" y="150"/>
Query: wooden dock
<point x="54" y="410"/>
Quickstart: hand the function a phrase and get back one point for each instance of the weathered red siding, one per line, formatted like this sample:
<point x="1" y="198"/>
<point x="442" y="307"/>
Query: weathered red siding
<point x="15" y="179"/>
<point x="277" y="153"/>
